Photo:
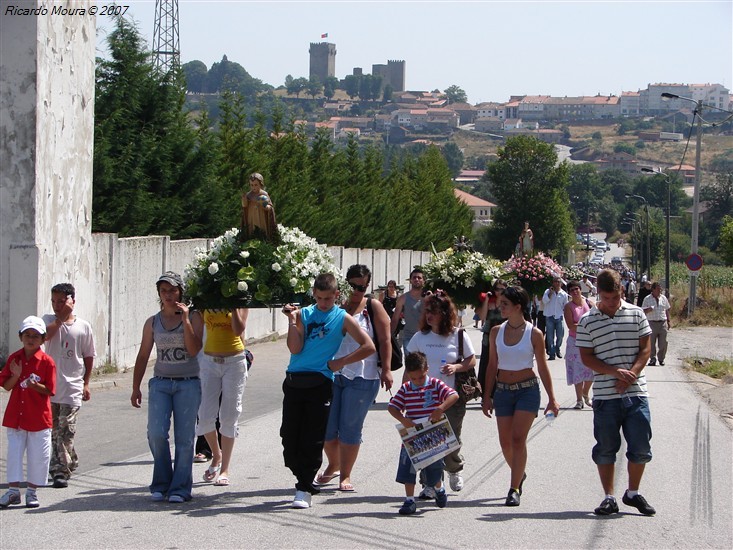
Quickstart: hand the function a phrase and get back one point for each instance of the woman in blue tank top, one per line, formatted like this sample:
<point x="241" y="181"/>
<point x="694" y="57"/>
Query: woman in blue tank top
<point x="511" y="385"/>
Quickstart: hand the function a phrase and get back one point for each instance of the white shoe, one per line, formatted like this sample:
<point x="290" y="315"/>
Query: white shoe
<point x="427" y="493"/>
<point x="456" y="481"/>
<point x="302" y="499"/>
<point x="157" y="496"/>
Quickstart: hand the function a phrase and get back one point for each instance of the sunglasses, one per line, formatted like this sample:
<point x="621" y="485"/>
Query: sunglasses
<point x="358" y="288"/>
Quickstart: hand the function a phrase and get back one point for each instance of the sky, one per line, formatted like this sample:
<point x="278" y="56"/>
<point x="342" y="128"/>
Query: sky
<point x="491" y="49"/>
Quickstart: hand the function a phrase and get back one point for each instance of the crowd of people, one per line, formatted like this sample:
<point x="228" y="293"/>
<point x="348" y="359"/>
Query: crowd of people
<point x="341" y="354"/>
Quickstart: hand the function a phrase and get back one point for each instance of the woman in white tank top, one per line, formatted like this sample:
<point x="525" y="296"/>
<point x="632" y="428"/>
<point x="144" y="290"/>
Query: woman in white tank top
<point x="511" y="385"/>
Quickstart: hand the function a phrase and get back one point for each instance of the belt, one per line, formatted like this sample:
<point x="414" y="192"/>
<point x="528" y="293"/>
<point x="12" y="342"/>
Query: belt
<point x="228" y="359"/>
<point x="177" y="379"/>
<point x="658" y="320"/>
<point x="518" y="386"/>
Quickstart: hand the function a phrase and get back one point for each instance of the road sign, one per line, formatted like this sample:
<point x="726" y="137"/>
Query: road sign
<point x="694" y="262"/>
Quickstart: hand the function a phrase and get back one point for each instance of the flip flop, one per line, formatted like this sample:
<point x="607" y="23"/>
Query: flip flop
<point x="222" y="481"/>
<point x="323" y="479"/>
<point x="211" y="473"/>
<point x="346" y="488"/>
<point x="200" y="458"/>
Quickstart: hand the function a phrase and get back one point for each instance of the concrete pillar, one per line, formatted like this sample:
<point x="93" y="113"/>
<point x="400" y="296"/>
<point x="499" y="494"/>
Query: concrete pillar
<point x="46" y="141"/>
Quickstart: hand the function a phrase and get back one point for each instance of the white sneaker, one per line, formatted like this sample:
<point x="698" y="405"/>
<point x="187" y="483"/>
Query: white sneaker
<point x="427" y="493"/>
<point x="302" y="499"/>
<point x="456" y="481"/>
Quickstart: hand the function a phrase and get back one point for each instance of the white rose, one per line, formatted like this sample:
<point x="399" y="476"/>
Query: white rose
<point x="276" y="267"/>
<point x="242" y="286"/>
<point x="244" y="254"/>
<point x="293" y="282"/>
<point x="213" y="268"/>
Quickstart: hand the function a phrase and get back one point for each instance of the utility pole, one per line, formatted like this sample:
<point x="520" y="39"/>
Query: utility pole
<point x="166" y="42"/>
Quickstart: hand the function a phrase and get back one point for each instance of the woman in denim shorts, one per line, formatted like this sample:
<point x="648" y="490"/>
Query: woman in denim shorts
<point x="512" y="388"/>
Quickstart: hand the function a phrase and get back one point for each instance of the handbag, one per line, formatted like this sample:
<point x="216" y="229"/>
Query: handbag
<point x="396" y="362"/>
<point x="467" y="383"/>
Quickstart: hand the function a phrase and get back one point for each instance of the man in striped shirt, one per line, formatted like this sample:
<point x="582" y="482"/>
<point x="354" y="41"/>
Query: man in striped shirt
<point x="613" y="339"/>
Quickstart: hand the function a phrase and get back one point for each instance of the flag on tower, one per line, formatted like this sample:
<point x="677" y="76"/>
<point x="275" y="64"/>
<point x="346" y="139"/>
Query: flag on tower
<point x="324" y="35"/>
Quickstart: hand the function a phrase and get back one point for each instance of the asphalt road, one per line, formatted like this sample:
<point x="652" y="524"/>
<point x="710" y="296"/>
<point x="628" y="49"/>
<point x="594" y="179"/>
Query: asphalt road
<point x="107" y="505"/>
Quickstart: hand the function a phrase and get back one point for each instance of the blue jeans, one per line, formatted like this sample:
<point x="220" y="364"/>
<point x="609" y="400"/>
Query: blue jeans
<point x="180" y="398"/>
<point x="630" y="415"/>
<point x="430" y="474"/>
<point x="349" y="407"/>
<point x="554" y="332"/>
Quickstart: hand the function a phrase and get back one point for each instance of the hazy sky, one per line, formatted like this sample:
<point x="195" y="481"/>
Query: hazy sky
<point x="492" y="49"/>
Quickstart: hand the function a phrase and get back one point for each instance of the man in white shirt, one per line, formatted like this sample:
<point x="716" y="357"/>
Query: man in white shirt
<point x="554" y="300"/>
<point x="586" y="287"/>
<point x="656" y="306"/>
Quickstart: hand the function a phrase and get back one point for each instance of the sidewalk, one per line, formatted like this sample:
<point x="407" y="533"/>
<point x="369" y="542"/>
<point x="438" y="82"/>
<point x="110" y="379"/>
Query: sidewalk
<point x="689" y="482"/>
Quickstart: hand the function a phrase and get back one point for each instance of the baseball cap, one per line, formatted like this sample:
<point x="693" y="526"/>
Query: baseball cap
<point x="171" y="277"/>
<point x="36" y="323"/>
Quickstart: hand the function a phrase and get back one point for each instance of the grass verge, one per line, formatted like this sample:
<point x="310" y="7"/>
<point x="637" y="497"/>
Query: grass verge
<point x="714" y="368"/>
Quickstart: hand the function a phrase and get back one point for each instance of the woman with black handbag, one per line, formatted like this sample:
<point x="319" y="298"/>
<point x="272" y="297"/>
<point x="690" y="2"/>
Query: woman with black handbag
<point x="439" y="339"/>
<point x="356" y="385"/>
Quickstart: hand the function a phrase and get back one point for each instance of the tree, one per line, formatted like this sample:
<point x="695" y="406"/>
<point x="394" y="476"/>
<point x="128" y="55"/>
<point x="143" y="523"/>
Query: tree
<point x="330" y="87"/>
<point x="453" y="157"/>
<point x="454" y="94"/>
<point x="529" y="185"/>
<point x="196" y="74"/>
<point x="726" y="240"/>
<point x="314" y="86"/>
<point x="300" y="84"/>
<point x="351" y="85"/>
<point x="387" y="93"/>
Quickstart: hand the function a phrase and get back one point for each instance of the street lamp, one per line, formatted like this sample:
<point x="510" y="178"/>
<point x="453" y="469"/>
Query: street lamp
<point x="695" y="196"/>
<point x="639" y="252"/>
<point x="648" y="237"/>
<point x="668" y="179"/>
<point x="632" y="223"/>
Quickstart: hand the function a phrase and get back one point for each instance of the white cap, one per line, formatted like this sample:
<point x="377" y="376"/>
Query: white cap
<point x="36" y="323"/>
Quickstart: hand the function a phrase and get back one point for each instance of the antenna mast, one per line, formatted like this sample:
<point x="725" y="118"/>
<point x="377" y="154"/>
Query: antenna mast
<point x="166" y="42"/>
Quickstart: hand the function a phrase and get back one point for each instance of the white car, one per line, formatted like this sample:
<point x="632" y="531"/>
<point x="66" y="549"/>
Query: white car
<point x="601" y="245"/>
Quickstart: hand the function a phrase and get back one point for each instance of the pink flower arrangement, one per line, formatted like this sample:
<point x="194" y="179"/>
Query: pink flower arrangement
<point x="534" y="273"/>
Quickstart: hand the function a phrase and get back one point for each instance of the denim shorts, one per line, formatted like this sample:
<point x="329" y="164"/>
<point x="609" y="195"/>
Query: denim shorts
<point x="630" y="414"/>
<point x="349" y="407"/>
<point x="506" y="402"/>
<point x="406" y="474"/>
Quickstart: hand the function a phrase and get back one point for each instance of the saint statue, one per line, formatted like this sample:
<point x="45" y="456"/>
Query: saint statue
<point x="526" y="241"/>
<point x="462" y="245"/>
<point x="258" y="214"/>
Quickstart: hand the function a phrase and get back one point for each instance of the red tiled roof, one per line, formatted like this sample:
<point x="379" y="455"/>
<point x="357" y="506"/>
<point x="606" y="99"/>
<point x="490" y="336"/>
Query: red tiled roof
<point x="471" y="200"/>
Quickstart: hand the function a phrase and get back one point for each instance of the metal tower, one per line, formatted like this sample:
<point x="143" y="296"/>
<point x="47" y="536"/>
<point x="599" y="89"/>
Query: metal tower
<point x="166" y="43"/>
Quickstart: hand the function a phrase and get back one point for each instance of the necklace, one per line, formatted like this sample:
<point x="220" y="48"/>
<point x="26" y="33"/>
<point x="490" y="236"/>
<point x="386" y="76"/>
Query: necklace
<point x="520" y="326"/>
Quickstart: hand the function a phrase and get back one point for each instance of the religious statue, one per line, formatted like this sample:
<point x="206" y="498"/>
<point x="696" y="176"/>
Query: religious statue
<point x="462" y="245"/>
<point x="258" y="214"/>
<point x="526" y="241"/>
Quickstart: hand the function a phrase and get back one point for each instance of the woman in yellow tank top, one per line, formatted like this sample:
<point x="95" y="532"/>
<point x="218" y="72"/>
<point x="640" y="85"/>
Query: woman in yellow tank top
<point x="223" y="379"/>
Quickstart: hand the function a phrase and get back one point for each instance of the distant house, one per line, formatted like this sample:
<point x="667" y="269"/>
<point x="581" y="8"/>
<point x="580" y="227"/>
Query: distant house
<point x="345" y="133"/>
<point x="481" y="208"/>
<point x="469" y="177"/>
<point x="466" y="113"/>
<point x="619" y="161"/>
<point x="488" y="124"/>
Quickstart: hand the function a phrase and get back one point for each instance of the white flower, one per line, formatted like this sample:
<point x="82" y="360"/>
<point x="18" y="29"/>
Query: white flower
<point x="242" y="286"/>
<point x="213" y="268"/>
<point x="244" y="254"/>
<point x="293" y="281"/>
<point x="276" y="267"/>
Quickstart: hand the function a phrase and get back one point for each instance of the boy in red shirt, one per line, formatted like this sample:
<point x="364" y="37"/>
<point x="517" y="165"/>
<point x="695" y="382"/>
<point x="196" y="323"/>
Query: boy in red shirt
<point x="30" y="375"/>
<point x="419" y="397"/>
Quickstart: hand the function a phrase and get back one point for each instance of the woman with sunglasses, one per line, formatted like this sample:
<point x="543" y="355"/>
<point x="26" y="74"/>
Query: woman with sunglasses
<point x="490" y="316"/>
<point x="356" y="385"/>
<point x="577" y="373"/>
<point x="438" y="339"/>
<point x="511" y="385"/>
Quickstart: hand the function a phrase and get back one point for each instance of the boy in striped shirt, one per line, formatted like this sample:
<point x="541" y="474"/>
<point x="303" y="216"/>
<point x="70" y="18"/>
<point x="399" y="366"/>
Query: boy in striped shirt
<point x="613" y="339"/>
<point x="419" y="397"/>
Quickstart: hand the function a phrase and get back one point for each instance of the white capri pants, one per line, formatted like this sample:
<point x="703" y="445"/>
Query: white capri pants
<point x="38" y="447"/>
<point x="225" y="376"/>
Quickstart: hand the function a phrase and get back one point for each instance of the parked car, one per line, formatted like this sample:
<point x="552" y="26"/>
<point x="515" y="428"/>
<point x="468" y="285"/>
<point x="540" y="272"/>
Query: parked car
<point x="616" y="261"/>
<point x="603" y="245"/>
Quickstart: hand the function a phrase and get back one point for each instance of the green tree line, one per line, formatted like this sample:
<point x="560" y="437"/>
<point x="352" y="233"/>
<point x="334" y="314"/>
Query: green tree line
<point x="157" y="171"/>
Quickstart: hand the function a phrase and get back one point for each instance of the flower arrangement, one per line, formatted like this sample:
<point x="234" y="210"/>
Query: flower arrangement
<point x="534" y="273"/>
<point x="463" y="274"/>
<point x="257" y="273"/>
<point x="572" y="273"/>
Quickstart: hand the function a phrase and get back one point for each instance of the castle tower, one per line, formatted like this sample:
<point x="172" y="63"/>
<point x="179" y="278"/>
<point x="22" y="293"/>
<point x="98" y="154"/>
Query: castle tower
<point x="323" y="60"/>
<point x="396" y="71"/>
